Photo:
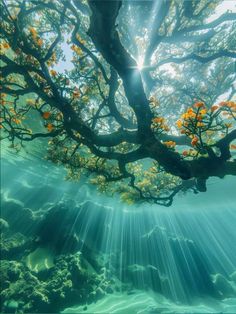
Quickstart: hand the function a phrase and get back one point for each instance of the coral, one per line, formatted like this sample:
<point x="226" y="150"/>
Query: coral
<point x="14" y="246"/>
<point x="68" y="282"/>
<point x="50" y="273"/>
<point x="19" y="285"/>
<point x="10" y="272"/>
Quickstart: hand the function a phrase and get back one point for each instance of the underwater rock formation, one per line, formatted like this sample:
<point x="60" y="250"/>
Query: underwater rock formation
<point x="62" y="262"/>
<point x="3" y="225"/>
<point x="68" y="227"/>
<point x="41" y="259"/>
<point x="233" y="277"/>
<point x="144" y="277"/>
<point x="15" y="246"/>
<point x="223" y="286"/>
<point x="18" y="216"/>
<point x="71" y="280"/>
<point x="194" y="272"/>
<point x="189" y="266"/>
<point x="57" y="229"/>
<point x="43" y="279"/>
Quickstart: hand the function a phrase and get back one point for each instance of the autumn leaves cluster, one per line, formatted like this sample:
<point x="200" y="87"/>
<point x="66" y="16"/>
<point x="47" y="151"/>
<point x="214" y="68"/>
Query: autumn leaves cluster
<point x="202" y="125"/>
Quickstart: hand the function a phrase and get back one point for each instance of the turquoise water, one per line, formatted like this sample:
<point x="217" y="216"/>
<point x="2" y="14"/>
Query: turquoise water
<point x="67" y="248"/>
<point x="147" y="302"/>
<point x="135" y="99"/>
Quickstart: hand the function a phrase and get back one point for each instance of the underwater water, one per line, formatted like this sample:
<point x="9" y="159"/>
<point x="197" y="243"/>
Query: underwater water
<point x="136" y="99"/>
<point x="68" y="249"/>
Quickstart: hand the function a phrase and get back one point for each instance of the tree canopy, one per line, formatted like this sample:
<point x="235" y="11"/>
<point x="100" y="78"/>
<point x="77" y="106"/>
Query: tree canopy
<point x="137" y="95"/>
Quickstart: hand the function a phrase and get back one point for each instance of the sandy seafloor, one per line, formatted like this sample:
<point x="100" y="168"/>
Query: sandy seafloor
<point x="152" y="303"/>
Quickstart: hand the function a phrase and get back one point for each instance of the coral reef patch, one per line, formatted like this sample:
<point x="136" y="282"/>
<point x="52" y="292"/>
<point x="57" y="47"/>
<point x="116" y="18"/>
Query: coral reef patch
<point x="40" y="274"/>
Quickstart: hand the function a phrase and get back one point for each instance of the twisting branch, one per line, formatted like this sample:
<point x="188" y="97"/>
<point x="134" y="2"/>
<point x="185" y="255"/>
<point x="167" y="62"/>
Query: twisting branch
<point x="97" y="114"/>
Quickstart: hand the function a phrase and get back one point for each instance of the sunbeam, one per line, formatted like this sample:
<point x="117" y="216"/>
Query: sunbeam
<point x="180" y="253"/>
<point x="118" y="156"/>
<point x="140" y="63"/>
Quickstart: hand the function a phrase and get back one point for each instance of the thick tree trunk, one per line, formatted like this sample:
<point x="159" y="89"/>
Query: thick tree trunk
<point x="103" y="32"/>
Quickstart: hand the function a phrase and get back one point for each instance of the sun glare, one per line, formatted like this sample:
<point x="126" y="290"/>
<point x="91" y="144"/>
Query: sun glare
<point x="140" y="63"/>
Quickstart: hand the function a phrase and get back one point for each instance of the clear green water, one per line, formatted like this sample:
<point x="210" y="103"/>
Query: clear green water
<point x="68" y="249"/>
<point x="147" y="302"/>
<point x="65" y="248"/>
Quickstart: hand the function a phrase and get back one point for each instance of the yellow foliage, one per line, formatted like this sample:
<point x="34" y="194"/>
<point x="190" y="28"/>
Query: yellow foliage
<point x="16" y="121"/>
<point x="76" y="94"/>
<point x="78" y="37"/>
<point x="170" y="144"/>
<point x="53" y="73"/>
<point x="39" y="42"/>
<point x="33" y="32"/>
<point x="30" y="102"/>
<point x="50" y="127"/>
<point x="77" y="50"/>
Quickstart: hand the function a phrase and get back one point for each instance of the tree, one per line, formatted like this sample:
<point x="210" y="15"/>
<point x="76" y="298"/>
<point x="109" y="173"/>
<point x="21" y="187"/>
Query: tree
<point x="112" y="113"/>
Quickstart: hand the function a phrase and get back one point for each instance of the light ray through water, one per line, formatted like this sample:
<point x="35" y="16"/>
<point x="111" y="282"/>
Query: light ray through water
<point x="181" y="253"/>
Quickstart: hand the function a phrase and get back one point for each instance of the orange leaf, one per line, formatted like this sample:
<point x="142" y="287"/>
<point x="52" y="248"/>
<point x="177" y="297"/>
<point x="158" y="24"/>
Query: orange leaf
<point x="6" y="45"/>
<point x="194" y="141"/>
<point x="214" y="108"/>
<point x="53" y="72"/>
<point x="50" y="127"/>
<point x="199" y="104"/>
<point x="46" y="115"/>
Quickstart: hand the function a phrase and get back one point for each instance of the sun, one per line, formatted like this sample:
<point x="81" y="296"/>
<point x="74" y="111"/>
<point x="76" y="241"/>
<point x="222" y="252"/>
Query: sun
<point x="140" y="63"/>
